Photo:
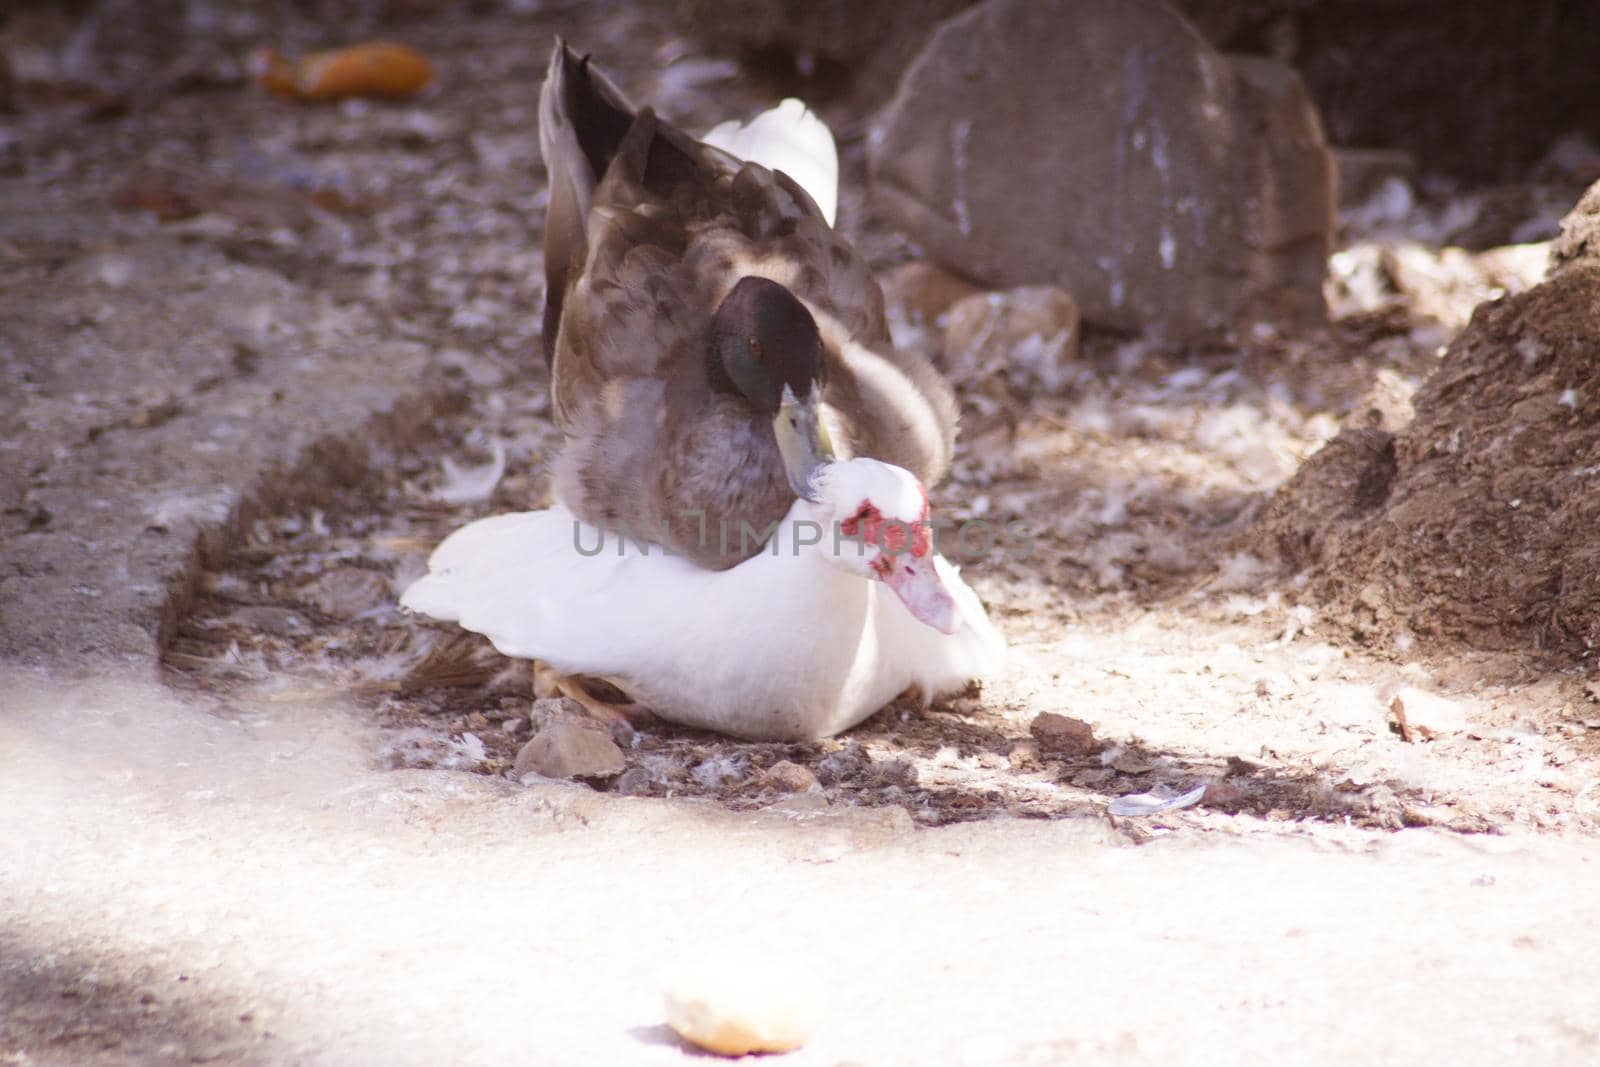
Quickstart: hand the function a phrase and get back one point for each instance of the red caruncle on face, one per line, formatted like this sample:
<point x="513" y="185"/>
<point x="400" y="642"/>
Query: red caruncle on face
<point x="893" y="537"/>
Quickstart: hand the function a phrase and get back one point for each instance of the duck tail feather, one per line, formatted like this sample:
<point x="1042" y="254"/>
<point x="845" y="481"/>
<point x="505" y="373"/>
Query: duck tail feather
<point x="583" y="119"/>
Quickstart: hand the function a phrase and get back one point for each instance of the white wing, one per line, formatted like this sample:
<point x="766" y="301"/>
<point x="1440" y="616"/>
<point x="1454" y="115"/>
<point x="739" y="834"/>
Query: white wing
<point x="539" y="585"/>
<point x="790" y="138"/>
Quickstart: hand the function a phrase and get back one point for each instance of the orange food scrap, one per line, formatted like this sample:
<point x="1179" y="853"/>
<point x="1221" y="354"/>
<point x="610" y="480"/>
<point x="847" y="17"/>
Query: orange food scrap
<point x="380" y="69"/>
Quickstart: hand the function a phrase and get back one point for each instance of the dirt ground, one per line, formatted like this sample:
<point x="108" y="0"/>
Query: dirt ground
<point x="1140" y="608"/>
<point x="1143" y="610"/>
<point x="1138" y="612"/>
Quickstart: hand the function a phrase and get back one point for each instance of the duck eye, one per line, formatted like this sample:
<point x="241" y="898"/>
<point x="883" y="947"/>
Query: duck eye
<point x="755" y="346"/>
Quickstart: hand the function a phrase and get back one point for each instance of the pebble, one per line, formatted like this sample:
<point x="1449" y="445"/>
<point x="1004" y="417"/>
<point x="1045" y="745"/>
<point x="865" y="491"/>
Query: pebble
<point x="925" y="290"/>
<point x="1422" y="716"/>
<point x="733" y="1010"/>
<point x="1028" y="336"/>
<point x="1062" y="735"/>
<point x="547" y="710"/>
<point x="789" y="777"/>
<point x="1023" y="755"/>
<point x="570" y="749"/>
<point x="1222" y="794"/>
<point x="635" y="781"/>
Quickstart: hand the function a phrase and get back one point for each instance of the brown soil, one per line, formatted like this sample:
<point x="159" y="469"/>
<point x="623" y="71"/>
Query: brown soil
<point x="1480" y="521"/>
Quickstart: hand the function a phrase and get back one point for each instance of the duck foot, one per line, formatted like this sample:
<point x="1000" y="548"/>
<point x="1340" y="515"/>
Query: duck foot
<point x="621" y="717"/>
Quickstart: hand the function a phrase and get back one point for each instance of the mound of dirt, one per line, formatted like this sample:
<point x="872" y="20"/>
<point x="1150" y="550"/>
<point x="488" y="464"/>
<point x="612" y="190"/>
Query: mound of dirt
<point x="1580" y="233"/>
<point x="1480" y="520"/>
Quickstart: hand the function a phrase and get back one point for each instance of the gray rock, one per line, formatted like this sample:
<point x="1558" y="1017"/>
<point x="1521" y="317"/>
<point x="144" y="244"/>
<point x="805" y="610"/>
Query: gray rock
<point x="571" y="748"/>
<point x="1103" y="146"/>
<point x="1284" y="189"/>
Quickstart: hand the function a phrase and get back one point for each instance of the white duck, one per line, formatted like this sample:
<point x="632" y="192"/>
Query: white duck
<point x="801" y="641"/>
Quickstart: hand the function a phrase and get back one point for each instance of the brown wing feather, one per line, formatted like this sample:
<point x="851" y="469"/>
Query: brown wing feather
<point x="582" y="119"/>
<point x="669" y="227"/>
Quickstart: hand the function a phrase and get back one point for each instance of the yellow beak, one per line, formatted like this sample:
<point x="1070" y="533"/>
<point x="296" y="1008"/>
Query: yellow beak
<point x="802" y="439"/>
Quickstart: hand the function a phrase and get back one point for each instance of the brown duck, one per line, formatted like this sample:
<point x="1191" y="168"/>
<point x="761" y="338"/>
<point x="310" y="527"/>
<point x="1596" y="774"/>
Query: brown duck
<point x="712" y="341"/>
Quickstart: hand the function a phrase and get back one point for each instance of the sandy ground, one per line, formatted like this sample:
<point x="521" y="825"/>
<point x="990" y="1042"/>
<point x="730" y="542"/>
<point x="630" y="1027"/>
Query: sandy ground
<point x="302" y="846"/>
<point x="270" y="898"/>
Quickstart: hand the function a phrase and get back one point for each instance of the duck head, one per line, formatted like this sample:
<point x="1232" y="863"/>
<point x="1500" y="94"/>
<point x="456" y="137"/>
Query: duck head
<point x="765" y="346"/>
<point x="880" y="531"/>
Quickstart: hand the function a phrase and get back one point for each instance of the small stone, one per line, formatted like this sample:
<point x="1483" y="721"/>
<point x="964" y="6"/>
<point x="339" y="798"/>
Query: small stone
<point x="547" y="710"/>
<point x="1062" y="735"/>
<point x="1023" y="755"/>
<point x="1419" y="715"/>
<point x="1027" y="336"/>
<point x="570" y="749"/>
<point x="634" y="782"/>
<point x="347" y="592"/>
<point x="789" y="777"/>
<point x="925" y="290"/>
<point x="733" y="1009"/>
<point x="1221" y="795"/>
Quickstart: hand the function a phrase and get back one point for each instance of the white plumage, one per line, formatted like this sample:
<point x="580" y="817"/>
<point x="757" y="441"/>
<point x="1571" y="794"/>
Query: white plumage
<point x="792" y="139"/>
<point x="798" y="642"/>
